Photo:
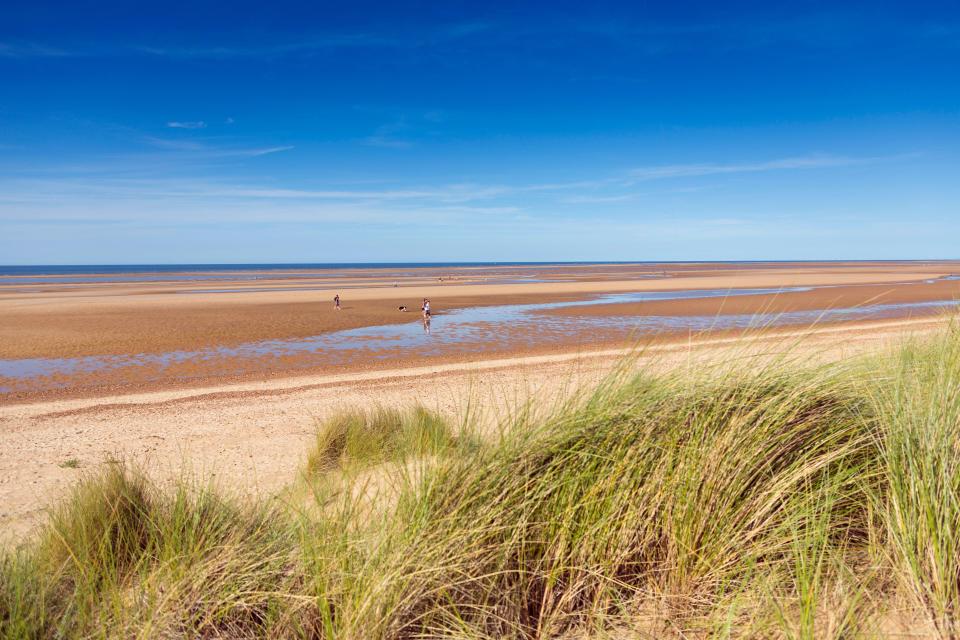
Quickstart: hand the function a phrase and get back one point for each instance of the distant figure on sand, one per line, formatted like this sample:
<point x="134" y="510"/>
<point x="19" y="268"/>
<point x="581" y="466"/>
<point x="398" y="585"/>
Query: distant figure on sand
<point x="401" y="308"/>
<point x="426" y="316"/>
<point x="336" y="302"/>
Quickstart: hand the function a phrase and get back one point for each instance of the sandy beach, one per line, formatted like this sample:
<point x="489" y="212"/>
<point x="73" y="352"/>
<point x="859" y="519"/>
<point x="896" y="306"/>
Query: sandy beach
<point x="178" y="331"/>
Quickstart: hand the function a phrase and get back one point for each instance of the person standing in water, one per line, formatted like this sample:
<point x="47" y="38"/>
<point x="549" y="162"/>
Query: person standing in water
<point x="426" y="316"/>
<point x="336" y="302"/>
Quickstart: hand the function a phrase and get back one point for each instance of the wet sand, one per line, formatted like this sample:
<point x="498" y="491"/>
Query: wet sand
<point x="54" y="319"/>
<point x="834" y="297"/>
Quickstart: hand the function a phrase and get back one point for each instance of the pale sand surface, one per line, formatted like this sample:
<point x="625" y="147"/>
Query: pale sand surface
<point x="254" y="436"/>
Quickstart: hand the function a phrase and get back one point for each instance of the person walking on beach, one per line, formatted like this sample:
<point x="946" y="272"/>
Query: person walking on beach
<point x="336" y="302"/>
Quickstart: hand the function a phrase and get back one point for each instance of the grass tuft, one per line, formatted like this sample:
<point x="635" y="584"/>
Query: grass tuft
<point x="919" y="407"/>
<point x="122" y="558"/>
<point x="366" y="438"/>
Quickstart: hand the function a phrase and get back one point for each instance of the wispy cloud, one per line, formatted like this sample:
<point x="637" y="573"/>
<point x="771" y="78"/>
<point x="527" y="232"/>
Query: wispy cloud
<point x="597" y="199"/>
<point x="274" y="193"/>
<point x="327" y="42"/>
<point x="189" y="124"/>
<point x="447" y="195"/>
<point x="174" y="145"/>
<point x="836" y="28"/>
<point x="707" y="169"/>
<point x="212" y="151"/>
<point x="386" y="141"/>
<point x="31" y="50"/>
<point x="306" y="46"/>
<point x="262" y="151"/>
<point x="397" y="134"/>
<point x="318" y="43"/>
<point x="157" y="183"/>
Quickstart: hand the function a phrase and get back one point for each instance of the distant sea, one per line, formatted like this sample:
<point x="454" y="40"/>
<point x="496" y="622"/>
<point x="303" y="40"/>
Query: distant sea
<point x="87" y="269"/>
<point x="68" y="269"/>
<point x="93" y="273"/>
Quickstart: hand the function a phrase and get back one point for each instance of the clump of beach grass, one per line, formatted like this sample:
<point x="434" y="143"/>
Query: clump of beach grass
<point x="919" y="414"/>
<point x="652" y="489"/>
<point x="758" y="499"/>
<point x="368" y="437"/>
<point x="123" y="557"/>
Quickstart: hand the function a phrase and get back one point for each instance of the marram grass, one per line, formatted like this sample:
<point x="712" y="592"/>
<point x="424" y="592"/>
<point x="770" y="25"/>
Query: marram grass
<point x="367" y="437"/>
<point x="775" y="500"/>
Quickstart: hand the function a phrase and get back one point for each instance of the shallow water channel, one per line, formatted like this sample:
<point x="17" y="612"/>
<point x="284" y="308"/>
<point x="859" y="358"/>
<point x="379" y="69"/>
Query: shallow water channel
<point x="467" y="330"/>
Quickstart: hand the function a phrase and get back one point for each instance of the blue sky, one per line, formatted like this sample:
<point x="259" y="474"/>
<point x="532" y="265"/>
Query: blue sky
<point x="329" y="132"/>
